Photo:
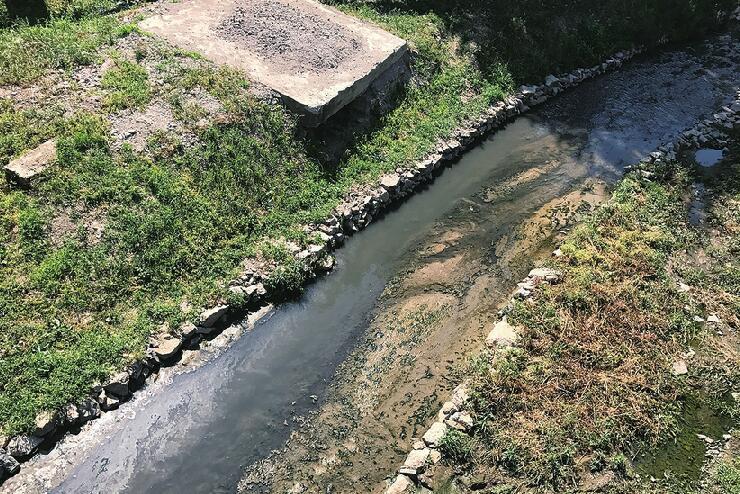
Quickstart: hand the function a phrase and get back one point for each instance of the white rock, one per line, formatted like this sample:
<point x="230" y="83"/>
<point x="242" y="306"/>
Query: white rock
<point x="434" y="435"/>
<point x="390" y="181"/>
<point x="89" y="409"/>
<point x="416" y="460"/>
<point x="713" y="319"/>
<point x="22" y="446"/>
<point x="210" y="317"/>
<point x="8" y="465"/>
<point x="166" y="346"/>
<point x="545" y="274"/>
<point x="188" y="330"/>
<point x="23" y="170"/>
<point x="680" y="368"/>
<point x="435" y="456"/>
<point x="400" y="485"/>
<point x="70" y="415"/>
<point x="45" y="423"/>
<point x="460" y="395"/>
<point x="503" y="335"/>
<point x="463" y="418"/>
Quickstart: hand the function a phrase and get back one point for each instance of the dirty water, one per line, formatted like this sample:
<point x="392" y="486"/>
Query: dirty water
<point x="708" y="157"/>
<point x="683" y="456"/>
<point x="503" y="203"/>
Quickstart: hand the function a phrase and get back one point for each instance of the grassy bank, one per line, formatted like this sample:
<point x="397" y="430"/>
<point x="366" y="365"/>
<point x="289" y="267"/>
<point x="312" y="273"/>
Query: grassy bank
<point x="590" y="389"/>
<point x="116" y="243"/>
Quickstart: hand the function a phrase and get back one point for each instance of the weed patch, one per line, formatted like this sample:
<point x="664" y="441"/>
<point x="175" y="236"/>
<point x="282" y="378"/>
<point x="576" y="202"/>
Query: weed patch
<point x="590" y="383"/>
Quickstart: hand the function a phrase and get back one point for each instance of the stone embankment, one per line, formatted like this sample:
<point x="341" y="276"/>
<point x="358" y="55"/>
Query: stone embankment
<point x="354" y="214"/>
<point x="418" y="469"/>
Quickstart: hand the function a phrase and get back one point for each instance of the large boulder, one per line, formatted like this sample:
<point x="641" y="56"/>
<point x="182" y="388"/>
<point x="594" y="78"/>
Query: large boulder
<point x="400" y="485"/>
<point x="118" y="385"/>
<point x="209" y="318"/>
<point x="415" y="462"/>
<point x="23" y="446"/>
<point x="434" y="435"/>
<point x="46" y="422"/>
<point x="503" y="335"/>
<point x="166" y="346"/>
<point x="88" y="410"/>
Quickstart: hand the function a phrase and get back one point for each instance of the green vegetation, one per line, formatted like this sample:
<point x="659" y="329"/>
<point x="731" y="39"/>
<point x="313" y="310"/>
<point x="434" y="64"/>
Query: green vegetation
<point x="26" y="52"/>
<point x="129" y="86"/>
<point x="456" y="446"/>
<point x="176" y="221"/>
<point x="590" y="384"/>
<point x="727" y="478"/>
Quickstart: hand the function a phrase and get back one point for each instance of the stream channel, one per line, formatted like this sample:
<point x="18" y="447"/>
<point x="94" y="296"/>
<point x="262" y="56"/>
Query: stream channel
<point x="196" y="432"/>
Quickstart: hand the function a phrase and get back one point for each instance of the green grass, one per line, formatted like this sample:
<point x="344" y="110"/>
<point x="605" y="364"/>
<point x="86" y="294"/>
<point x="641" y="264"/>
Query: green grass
<point x="589" y="385"/>
<point x="128" y="83"/>
<point x="456" y="446"/>
<point x="26" y="52"/>
<point x="178" y="221"/>
<point x="727" y="478"/>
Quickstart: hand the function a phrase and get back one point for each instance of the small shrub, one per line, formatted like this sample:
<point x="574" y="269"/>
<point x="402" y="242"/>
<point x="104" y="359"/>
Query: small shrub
<point x="456" y="446"/>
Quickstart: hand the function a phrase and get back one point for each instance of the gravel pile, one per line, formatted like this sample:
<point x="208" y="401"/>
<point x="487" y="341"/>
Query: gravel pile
<point x="298" y="41"/>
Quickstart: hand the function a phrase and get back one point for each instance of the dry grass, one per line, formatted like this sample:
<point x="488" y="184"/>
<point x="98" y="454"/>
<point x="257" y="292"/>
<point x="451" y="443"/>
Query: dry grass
<point x="590" y="383"/>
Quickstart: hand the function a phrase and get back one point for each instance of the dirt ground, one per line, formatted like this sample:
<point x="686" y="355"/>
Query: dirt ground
<point x="297" y="39"/>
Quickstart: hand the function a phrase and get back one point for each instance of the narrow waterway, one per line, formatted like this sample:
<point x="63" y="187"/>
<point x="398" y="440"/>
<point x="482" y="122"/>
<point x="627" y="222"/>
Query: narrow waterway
<point x="197" y="433"/>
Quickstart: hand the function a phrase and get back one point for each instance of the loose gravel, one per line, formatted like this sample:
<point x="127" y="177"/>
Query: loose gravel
<point x="299" y="41"/>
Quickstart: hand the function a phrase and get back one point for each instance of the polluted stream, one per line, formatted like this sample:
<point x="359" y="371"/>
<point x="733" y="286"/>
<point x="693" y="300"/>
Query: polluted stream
<point x="198" y="432"/>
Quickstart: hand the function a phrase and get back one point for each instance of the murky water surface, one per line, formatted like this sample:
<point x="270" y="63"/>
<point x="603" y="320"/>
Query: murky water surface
<point x="683" y="456"/>
<point x="708" y="157"/>
<point x="197" y="434"/>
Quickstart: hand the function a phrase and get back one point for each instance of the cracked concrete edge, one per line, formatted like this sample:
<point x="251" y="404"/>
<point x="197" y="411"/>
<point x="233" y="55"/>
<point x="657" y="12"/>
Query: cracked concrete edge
<point x="503" y="336"/>
<point x="313" y="116"/>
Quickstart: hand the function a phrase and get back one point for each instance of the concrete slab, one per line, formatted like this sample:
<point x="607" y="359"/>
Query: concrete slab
<point x="317" y="58"/>
<point x="24" y="170"/>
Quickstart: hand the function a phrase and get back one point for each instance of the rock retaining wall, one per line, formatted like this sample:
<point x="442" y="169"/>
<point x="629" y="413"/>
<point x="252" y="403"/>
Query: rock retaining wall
<point x="418" y="469"/>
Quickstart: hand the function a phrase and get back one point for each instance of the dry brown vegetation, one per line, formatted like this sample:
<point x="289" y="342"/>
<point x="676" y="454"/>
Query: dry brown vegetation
<point x="590" y="385"/>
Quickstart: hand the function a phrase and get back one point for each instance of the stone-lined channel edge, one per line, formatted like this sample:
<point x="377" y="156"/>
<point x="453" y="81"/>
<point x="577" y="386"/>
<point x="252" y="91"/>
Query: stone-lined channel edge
<point x="355" y="213"/>
<point x="418" y="468"/>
